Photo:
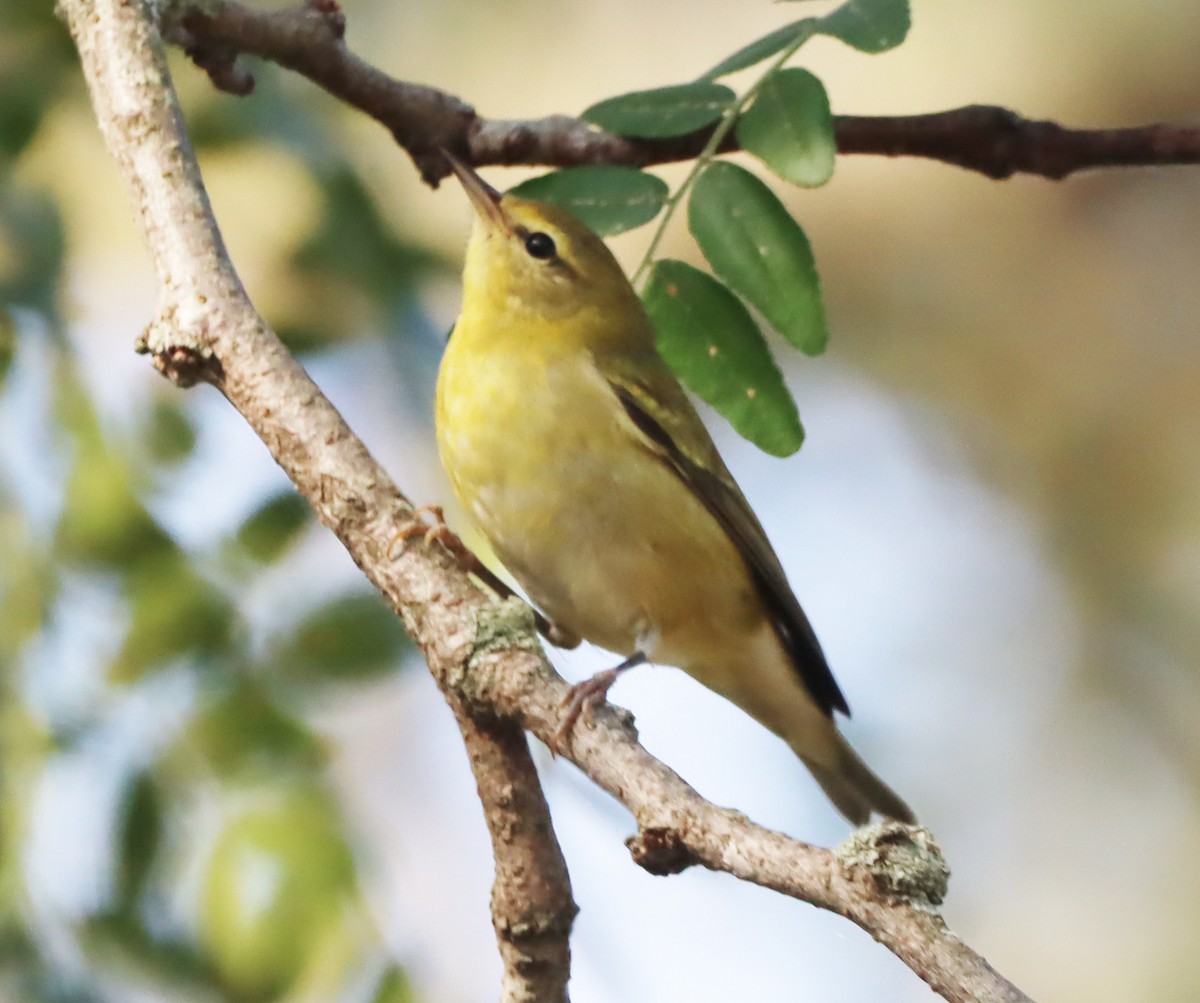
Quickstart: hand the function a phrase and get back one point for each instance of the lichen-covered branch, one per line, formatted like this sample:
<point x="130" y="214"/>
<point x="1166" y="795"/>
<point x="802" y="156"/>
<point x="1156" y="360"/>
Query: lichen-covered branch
<point x="484" y="654"/>
<point x="993" y="141"/>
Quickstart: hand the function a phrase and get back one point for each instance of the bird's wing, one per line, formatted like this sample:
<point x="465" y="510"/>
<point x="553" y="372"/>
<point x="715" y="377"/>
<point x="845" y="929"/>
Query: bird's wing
<point x="671" y="428"/>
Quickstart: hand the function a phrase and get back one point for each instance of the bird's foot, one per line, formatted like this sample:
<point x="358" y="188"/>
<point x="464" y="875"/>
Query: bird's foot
<point x="585" y="696"/>
<point x="429" y="522"/>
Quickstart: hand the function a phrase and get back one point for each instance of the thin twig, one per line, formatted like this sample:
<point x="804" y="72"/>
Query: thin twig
<point x="483" y="654"/>
<point x="987" y="139"/>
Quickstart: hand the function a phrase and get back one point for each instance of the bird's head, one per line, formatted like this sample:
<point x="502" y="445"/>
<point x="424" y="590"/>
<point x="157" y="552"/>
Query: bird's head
<point x="527" y="256"/>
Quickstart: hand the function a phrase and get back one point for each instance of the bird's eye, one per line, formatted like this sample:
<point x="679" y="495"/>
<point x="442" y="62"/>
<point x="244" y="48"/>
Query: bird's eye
<point x="540" y="245"/>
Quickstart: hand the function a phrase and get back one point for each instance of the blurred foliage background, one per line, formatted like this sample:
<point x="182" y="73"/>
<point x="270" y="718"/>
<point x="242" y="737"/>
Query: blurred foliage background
<point x="222" y="776"/>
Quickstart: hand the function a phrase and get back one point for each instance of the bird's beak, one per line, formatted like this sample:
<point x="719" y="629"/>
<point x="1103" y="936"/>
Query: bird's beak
<point x="483" y="196"/>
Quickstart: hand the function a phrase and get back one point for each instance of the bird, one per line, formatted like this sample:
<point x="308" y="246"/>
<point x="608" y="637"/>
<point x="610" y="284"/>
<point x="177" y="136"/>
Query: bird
<point x="582" y="461"/>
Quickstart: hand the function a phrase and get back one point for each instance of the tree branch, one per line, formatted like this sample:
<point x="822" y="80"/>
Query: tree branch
<point x="886" y="879"/>
<point x="484" y="654"/>
<point x="532" y="907"/>
<point x="207" y="329"/>
<point x="990" y="140"/>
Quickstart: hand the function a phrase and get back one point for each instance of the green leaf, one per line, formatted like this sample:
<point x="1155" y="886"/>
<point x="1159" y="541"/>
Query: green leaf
<point x="711" y="342"/>
<point x="266" y="534"/>
<point x="173" y="961"/>
<point x="170" y="436"/>
<point x="394" y="987"/>
<point x="29" y="587"/>
<point x="352" y="636"/>
<point x="274" y="117"/>
<point x="173" y="612"/>
<point x="139" y="835"/>
<point x="609" y="199"/>
<point x="790" y="129"/>
<point x="868" y="25"/>
<point x="277" y="885"/>
<point x="8" y="343"/>
<point x="768" y="45"/>
<point x="354" y="245"/>
<point x="318" y="332"/>
<point x="666" y="111"/>
<point x="352" y="271"/>
<point x="243" y="732"/>
<point x="104" y="521"/>
<point x="32" y="249"/>
<point x="756" y="247"/>
<point x="37" y="58"/>
<point x="21" y="113"/>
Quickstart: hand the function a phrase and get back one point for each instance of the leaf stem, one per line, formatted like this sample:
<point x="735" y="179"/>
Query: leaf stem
<point x="728" y="119"/>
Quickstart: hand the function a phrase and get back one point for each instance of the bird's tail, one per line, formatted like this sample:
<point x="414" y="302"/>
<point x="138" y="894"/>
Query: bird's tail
<point x="761" y="679"/>
<point x="854" y="789"/>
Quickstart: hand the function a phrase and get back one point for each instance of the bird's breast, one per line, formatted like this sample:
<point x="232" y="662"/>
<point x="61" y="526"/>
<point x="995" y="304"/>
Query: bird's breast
<point x="599" y="531"/>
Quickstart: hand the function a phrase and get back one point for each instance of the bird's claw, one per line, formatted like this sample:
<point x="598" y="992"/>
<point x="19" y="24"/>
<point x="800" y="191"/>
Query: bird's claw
<point x="586" y="696"/>
<point x="434" y="529"/>
<point x="583" y="696"/>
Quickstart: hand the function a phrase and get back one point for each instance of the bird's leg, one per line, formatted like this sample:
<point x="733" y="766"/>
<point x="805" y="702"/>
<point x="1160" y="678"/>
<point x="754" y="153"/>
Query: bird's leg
<point x="433" y="529"/>
<point x="586" y="695"/>
<point x="556" y="633"/>
<point x="437" y="529"/>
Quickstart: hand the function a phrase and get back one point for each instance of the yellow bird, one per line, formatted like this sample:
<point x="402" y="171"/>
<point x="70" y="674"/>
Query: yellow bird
<point x="583" y="462"/>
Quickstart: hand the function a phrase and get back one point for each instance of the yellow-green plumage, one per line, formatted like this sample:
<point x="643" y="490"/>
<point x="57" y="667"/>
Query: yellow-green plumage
<point x="580" y="458"/>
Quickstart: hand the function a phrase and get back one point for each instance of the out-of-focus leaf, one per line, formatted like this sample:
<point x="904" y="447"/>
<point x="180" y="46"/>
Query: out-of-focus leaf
<point x="19" y="965"/>
<point x="789" y="127"/>
<point x="753" y="243"/>
<point x="663" y="112"/>
<point x="276" y="114"/>
<point x="103" y="521"/>
<point x="304" y="337"/>
<point x="272" y="527"/>
<point x="868" y="25"/>
<point x="354" y="268"/>
<point x="35" y="55"/>
<point x="173" y="612"/>
<point x="20" y="114"/>
<point x="73" y="409"/>
<point x="608" y="198"/>
<point x="25" y="747"/>
<point x="8" y="343"/>
<point x="140" y="830"/>
<point x="28" y="585"/>
<point x="353" y="636"/>
<point x="14" y="16"/>
<point x="243" y="732"/>
<point x="177" y="965"/>
<point x="355" y="246"/>
<point x="394" y="987"/>
<point x="711" y="342"/>
<point x="170" y="436"/>
<point x="278" y="878"/>
<point x="763" y="48"/>
<point x="32" y="243"/>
